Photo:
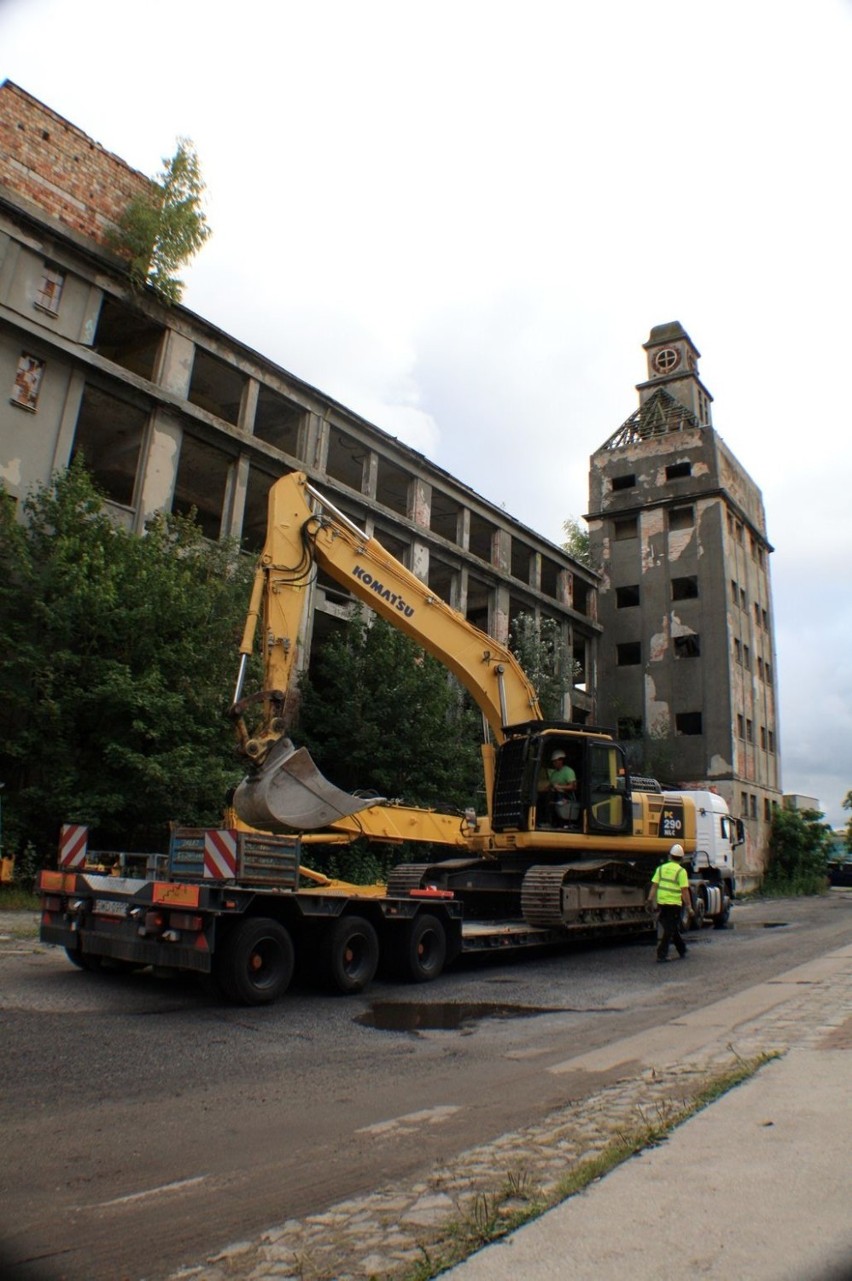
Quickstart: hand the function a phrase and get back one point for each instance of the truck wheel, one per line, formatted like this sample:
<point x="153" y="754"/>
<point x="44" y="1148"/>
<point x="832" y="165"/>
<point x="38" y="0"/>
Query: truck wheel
<point x="256" y="963"/>
<point x="721" y="921"/>
<point x="699" y="911"/>
<point x="349" y="954"/>
<point x="420" y="953"/>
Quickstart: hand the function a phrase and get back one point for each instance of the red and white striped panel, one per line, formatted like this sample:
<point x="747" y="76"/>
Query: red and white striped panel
<point x="220" y="853"/>
<point x="73" y="842"/>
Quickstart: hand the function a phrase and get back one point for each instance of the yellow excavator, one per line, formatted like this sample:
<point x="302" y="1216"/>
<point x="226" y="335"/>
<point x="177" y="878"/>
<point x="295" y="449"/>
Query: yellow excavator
<point x="534" y="853"/>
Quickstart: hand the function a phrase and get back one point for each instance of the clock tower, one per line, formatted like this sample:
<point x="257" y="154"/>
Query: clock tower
<point x="673" y="364"/>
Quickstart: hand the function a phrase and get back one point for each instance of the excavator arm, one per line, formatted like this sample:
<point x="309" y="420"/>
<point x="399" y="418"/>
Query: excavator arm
<point x="284" y="788"/>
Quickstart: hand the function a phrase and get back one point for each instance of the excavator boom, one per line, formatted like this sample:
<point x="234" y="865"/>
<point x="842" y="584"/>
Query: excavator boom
<point x="284" y="788"/>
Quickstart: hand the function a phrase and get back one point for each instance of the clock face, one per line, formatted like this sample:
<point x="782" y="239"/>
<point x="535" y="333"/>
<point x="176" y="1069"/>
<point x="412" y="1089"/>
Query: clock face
<point x="666" y="359"/>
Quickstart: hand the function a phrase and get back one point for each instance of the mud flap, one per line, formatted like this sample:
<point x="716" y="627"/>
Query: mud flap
<point x="288" y="791"/>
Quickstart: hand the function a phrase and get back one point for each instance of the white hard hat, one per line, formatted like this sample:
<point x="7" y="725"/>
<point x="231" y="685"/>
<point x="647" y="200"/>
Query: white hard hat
<point x="677" y="851"/>
<point x="558" y="755"/>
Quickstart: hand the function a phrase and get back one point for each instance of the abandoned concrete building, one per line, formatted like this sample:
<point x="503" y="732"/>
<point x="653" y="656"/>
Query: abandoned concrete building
<point x="172" y="413"/>
<point x="673" y="644"/>
<point x="687" y="662"/>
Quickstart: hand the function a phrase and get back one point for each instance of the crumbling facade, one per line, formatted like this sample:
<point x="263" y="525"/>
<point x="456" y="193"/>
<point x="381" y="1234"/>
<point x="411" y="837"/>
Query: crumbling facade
<point x="687" y="664"/>
<point x="171" y="413"/>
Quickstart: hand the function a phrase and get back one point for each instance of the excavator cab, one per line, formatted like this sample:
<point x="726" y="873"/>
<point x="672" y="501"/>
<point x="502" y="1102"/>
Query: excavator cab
<point x="524" y="799"/>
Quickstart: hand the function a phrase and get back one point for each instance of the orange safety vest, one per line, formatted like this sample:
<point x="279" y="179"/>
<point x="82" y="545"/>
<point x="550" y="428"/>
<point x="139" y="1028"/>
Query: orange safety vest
<point x="670" y="878"/>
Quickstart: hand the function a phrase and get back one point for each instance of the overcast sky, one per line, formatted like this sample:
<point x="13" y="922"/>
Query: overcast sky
<point x="461" y="219"/>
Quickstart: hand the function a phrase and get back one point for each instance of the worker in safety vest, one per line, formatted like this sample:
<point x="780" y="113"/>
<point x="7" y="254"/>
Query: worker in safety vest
<point x="670" y="893"/>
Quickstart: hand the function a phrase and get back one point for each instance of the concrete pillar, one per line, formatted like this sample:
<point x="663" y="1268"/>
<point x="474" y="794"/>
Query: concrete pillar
<point x="535" y="571"/>
<point x="174" y="363"/>
<point x="463" y="529"/>
<point x="159" y="471"/>
<point x="420" y="502"/>
<point x="68" y="420"/>
<point x="90" y="316"/>
<point x="458" y="595"/>
<point x="248" y="405"/>
<point x="315" y="452"/>
<point x="498" y="614"/>
<point x="565" y="587"/>
<point x="234" y="508"/>
<point x="419" y="556"/>
<point x="370" y="475"/>
<point x="501" y="551"/>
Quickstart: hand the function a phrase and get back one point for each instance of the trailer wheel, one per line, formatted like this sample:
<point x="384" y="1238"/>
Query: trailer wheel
<point x="420" y="952"/>
<point x="256" y="963"/>
<point x="349" y="954"/>
<point x="83" y="961"/>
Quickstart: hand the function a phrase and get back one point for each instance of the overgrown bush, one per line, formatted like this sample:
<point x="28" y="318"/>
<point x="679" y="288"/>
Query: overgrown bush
<point x="799" y="849"/>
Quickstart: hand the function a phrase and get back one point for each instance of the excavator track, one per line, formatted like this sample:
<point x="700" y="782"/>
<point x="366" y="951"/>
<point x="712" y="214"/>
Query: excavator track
<point x="611" y="897"/>
<point x="406" y="877"/>
<point x="541" y="895"/>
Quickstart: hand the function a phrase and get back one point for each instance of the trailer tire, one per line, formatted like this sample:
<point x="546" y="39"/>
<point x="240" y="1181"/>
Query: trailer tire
<point x="256" y="963"/>
<point x="419" y="953"/>
<point x="349" y="954"/>
<point x="92" y="964"/>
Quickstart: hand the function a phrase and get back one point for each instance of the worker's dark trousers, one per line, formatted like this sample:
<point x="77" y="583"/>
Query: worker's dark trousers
<point x="670" y="930"/>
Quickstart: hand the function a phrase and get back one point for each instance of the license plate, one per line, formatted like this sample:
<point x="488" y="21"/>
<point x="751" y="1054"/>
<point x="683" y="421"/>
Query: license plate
<point x="106" y="907"/>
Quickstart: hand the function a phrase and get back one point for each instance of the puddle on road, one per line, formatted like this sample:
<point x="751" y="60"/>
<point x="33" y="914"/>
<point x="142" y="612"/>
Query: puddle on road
<point x="775" y="925"/>
<point x="404" y="1016"/>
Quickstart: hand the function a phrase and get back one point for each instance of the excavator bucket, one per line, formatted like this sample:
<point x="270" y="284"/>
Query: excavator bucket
<point x="289" y="791"/>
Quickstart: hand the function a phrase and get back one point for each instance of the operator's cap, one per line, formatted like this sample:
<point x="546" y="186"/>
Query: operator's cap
<point x="677" y="851"/>
<point x="558" y="755"/>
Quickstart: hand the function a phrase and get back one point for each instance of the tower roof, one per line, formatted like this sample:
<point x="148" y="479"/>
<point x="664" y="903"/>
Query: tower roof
<point x="660" y="415"/>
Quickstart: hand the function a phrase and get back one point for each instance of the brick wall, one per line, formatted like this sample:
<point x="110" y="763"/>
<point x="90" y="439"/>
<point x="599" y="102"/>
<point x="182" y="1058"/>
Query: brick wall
<point x="59" y="168"/>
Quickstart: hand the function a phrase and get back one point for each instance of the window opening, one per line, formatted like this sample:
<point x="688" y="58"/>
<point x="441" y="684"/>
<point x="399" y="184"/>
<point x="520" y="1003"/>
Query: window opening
<point x="624" y="529"/>
<point x="202" y="478"/>
<point x="623" y="482"/>
<point x="277" y="421"/>
<point x="688" y="723"/>
<point x="626" y="597"/>
<point x="687" y="646"/>
<point x="216" y="386"/>
<point x="128" y="338"/>
<point x="27" y="384"/>
<point x="109" y="434"/>
<point x="50" y="291"/>
<point x="685" y="588"/>
<point x="681" y="518"/>
<point x="675" y="470"/>
<point x="629" y="728"/>
<point x="629" y="654"/>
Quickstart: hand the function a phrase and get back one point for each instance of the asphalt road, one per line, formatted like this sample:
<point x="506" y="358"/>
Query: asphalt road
<point x="144" y="1121"/>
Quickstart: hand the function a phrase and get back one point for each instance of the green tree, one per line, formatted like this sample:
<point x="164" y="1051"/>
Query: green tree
<point x="378" y="713"/>
<point x="847" y="805"/>
<point x="538" y="647"/>
<point x="576" y="541"/>
<point x="382" y="717"/>
<point x="799" y="849"/>
<point x="161" y="231"/>
<point x="117" y="659"/>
